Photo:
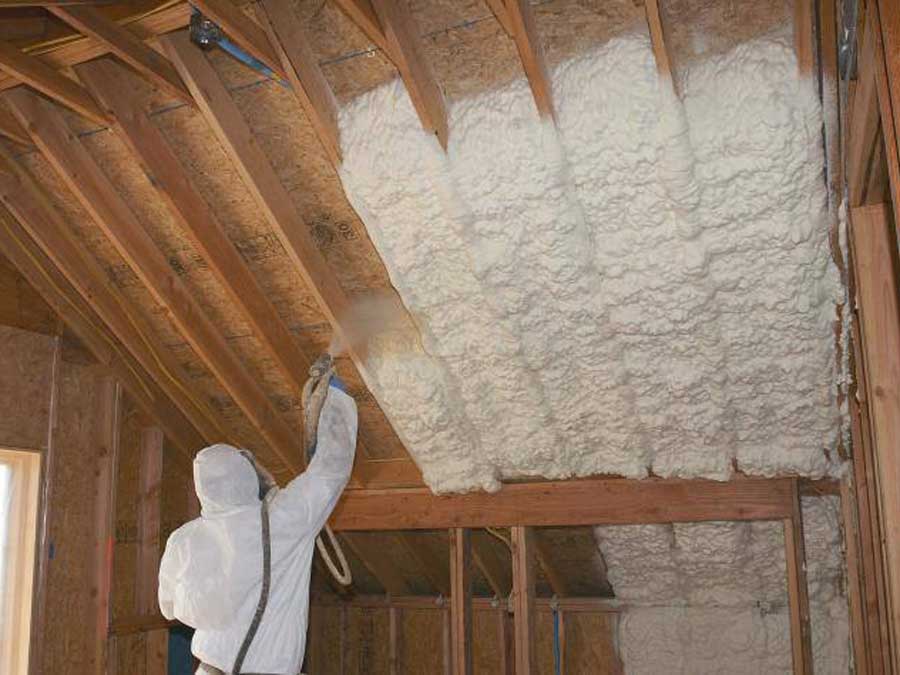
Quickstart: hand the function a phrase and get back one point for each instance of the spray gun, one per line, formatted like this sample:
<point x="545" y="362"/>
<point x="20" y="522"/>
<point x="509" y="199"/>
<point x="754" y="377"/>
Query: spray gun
<point x="315" y="391"/>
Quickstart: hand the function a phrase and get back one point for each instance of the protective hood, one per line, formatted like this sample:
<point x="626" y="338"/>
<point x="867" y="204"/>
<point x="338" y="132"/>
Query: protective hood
<point x="225" y="480"/>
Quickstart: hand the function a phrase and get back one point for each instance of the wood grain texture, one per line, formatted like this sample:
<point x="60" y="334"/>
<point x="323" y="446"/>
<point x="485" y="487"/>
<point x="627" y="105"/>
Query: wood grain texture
<point x="406" y="54"/>
<point x="581" y="502"/>
<point x="22" y="195"/>
<point x="461" y="601"/>
<point x="362" y="13"/>
<point x="127" y="46"/>
<point x="42" y="273"/>
<point x="524" y="600"/>
<point x="798" y="591"/>
<point x="302" y="70"/>
<point x="873" y="239"/>
<point x="864" y="121"/>
<point x="96" y="194"/>
<point x="531" y="53"/>
<point x="49" y="82"/>
<point x="804" y="23"/>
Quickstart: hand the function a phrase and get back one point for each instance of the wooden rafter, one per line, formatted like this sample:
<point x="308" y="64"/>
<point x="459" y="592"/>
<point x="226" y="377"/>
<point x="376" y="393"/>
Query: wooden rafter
<point x="388" y="24"/>
<point x="49" y="82"/>
<point x="289" y="40"/>
<point x="11" y="129"/>
<point x="582" y="502"/>
<point x="273" y="199"/>
<point x="883" y="19"/>
<point x="517" y="20"/>
<point x="43" y="276"/>
<point x="81" y="49"/>
<point x="25" y="198"/>
<point x="96" y="194"/>
<point x="461" y="601"/>
<point x="658" y="40"/>
<point x="524" y="600"/>
<point x="110" y="84"/>
<point x="127" y="46"/>
<point x="798" y="593"/>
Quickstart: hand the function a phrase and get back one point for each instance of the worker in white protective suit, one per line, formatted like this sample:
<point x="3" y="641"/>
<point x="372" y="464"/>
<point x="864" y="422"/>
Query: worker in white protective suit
<point x="210" y="576"/>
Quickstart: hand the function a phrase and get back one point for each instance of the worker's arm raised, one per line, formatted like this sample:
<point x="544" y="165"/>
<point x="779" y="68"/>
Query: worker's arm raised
<point x="313" y="494"/>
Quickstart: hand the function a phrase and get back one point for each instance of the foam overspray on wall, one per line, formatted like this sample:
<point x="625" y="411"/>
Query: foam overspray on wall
<point x="708" y="594"/>
<point x="645" y="286"/>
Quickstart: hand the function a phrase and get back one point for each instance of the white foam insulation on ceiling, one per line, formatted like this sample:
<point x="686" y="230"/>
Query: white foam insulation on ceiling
<point x="704" y="594"/>
<point x="644" y="286"/>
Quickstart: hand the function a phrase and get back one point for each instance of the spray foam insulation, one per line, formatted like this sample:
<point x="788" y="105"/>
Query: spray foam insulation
<point x="645" y="287"/>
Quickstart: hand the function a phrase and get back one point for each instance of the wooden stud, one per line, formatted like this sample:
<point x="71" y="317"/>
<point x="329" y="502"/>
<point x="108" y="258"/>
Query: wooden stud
<point x="798" y="593"/>
<point x="242" y="29"/>
<point x="273" y="199"/>
<point x="858" y="628"/>
<point x="37" y="74"/>
<point x="803" y="36"/>
<point x="150" y="477"/>
<point x="59" y="55"/>
<point x="22" y="195"/>
<point x="507" y="641"/>
<point x="100" y="199"/>
<point x="524" y="34"/>
<point x="110" y="84"/>
<point x="828" y="58"/>
<point x="461" y="601"/>
<point x="127" y="46"/>
<point x="524" y="600"/>
<point x="403" y="50"/>
<point x="306" y="78"/>
<point x="873" y="238"/>
<point x="109" y="400"/>
<point x="394" y="664"/>
<point x="146" y="581"/>
<point x="580" y="502"/>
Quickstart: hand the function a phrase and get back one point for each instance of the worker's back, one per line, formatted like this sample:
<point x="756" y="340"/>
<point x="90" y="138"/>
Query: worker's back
<point x="212" y="571"/>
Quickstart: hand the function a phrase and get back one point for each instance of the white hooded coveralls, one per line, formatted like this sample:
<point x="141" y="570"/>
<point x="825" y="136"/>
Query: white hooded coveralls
<point x="210" y="575"/>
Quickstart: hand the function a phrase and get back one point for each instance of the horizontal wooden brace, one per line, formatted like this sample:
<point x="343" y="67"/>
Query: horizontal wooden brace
<point x="579" y="502"/>
<point x="587" y="604"/>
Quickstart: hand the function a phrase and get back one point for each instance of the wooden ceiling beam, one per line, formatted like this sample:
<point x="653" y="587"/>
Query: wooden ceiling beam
<point x="520" y="18"/>
<point x="97" y="195"/>
<point x="242" y="29"/>
<point x="82" y="48"/>
<point x="658" y="41"/>
<point x="594" y="501"/>
<point x="40" y="76"/>
<point x="273" y="199"/>
<point x="11" y="129"/>
<point x="110" y="84"/>
<point x="22" y="195"/>
<point x="403" y="49"/>
<point x="302" y="70"/>
<point x="127" y="46"/>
